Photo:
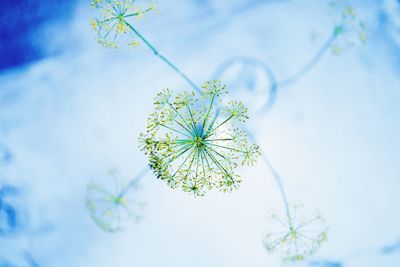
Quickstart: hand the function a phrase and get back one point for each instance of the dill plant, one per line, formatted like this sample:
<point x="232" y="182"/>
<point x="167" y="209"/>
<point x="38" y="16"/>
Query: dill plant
<point x="193" y="144"/>
<point x="349" y="30"/>
<point x="111" y="204"/>
<point x="111" y="24"/>
<point x="297" y="236"/>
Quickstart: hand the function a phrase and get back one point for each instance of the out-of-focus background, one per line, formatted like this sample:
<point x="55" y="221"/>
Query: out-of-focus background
<point x="70" y="111"/>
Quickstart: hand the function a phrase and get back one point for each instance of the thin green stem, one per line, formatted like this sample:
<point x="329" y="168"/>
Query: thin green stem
<point x="181" y="151"/>
<point x="169" y="63"/>
<point x="222" y="139"/>
<point x="211" y="125"/>
<point x="137" y="13"/>
<point x="172" y="129"/>
<point x="133" y="182"/>
<point x="183" y="163"/>
<point x="183" y="126"/>
<point x="216" y="162"/>
<point x="197" y="161"/>
<point x="280" y="184"/>
<point x="216" y="152"/>
<point x="116" y="11"/>
<point x="202" y="164"/>
<point x="222" y="123"/>
<point x="180" y="115"/>
<point x="310" y="64"/>
<point x="208" y="114"/>
<point x="195" y="87"/>
<point x="233" y="149"/>
<point x="109" y="19"/>
<point x="184" y="140"/>
<point x="191" y="163"/>
<point x="208" y="163"/>
<point x="193" y="122"/>
<point x="108" y="32"/>
<point x="275" y="174"/>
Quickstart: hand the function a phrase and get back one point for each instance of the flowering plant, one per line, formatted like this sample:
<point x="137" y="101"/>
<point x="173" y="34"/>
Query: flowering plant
<point x="296" y="236"/>
<point x="112" y="21"/>
<point x="193" y="144"/>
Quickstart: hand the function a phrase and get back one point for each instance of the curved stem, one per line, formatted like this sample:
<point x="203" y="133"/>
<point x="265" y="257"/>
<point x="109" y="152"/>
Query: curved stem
<point x="275" y="174"/>
<point x="194" y="86"/>
<point x="279" y="182"/>
<point x="310" y="64"/>
<point x="271" y="89"/>
<point x="134" y="181"/>
<point x="169" y="63"/>
<point x="276" y="84"/>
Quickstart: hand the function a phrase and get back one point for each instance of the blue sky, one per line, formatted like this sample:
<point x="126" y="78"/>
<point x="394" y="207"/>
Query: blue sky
<point x="71" y="110"/>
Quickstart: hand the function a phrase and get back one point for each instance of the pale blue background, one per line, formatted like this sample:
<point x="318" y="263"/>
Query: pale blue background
<point x="71" y="110"/>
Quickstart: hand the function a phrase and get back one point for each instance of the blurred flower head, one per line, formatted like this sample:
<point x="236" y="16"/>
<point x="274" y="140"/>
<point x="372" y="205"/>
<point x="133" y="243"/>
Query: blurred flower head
<point x="111" y="24"/>
<point x="111" y="205"/>
<point x="349" y="28"/>
<point x="193" y="144"/>
<point x="296" y="237"/>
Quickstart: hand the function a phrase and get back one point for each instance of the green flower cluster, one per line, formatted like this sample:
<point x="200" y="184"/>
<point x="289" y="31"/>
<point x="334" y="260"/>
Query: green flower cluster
<point x="349" y="29"/>
<point x="109" y="206"/>
<point x="295" y="237"/>
<point x="195" y="142"/>
<point x="112" y="21"/>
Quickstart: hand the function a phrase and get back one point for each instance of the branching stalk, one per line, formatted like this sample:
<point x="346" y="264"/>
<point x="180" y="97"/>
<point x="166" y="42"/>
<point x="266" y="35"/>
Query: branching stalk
<point x="195" y="87"/>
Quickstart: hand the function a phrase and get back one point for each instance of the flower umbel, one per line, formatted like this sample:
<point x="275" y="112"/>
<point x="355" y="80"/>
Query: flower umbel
<point x="109" y="206"/>
<point x="111" y="23"/>
<point x="349" y="29"/>
<point x="295" y="237"/>
<point x="194" y="146"/>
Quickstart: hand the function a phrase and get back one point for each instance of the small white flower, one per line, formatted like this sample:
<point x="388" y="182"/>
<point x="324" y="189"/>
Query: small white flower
<point x="296" y="237"/>
<point x="111" y="206"/>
